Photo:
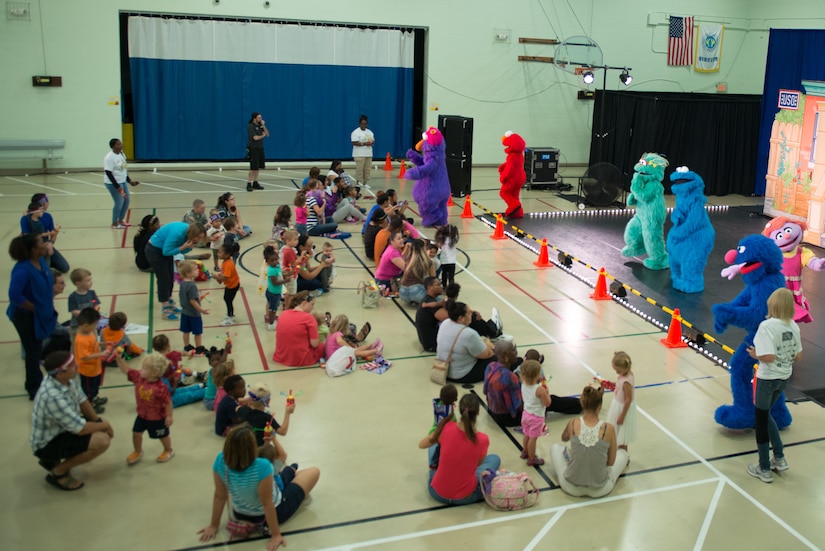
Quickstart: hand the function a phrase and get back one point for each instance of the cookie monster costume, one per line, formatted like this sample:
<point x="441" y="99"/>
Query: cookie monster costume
<point x="690" y="240"/>
<point x="759" y="261"/>
<point x="511" y="174"/>
<point x="644" y="234"/>
<point x="788" y="236"/>
<point x="432" y="189"/>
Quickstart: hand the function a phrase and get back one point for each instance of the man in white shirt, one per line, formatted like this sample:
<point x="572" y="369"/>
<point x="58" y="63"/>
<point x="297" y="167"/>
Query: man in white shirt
<point x="362" y="141"/>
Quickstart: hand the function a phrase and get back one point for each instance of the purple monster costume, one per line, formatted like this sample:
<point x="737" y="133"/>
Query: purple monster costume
<point x="432" y="188"/>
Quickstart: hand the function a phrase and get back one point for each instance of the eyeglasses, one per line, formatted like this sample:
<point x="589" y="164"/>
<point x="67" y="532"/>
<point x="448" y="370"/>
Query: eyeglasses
<point x="309" y="299"/>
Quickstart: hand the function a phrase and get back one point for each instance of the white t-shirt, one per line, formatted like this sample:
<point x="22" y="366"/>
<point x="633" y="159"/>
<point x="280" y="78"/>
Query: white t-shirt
<point x="781" y="339"/>
<point x="211" y="232"/>
<point x="359" y="135"/>
<point x="116" y="164"/>
<point x="448" y="252"/>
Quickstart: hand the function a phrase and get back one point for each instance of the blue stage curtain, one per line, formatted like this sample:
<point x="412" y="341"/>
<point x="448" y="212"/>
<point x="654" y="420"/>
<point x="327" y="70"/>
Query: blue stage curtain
<point x="195" y="84"/>
<point x="794" y="55"/>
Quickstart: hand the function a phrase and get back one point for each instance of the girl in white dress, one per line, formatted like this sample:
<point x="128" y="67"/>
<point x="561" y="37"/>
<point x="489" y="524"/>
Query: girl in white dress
<point x="622" y="413"/>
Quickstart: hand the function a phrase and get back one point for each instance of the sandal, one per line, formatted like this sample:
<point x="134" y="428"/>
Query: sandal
<point x="364" y="332"/>
<point x="64" y="482"/>
<point x="535" y="462"/>
<point x="524" y="454"/>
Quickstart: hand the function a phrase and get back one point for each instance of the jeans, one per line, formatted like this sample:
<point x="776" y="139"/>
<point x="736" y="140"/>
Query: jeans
<point x="321" y="281"/>
<point x="23" y="321"/>
<point x="767" y="433"/>
<point x="121" y="203"/>
<point x="320" y="229"/>
<point x="412" y="293"/>
<point x="492" y="461"/>
<point x="57" y="262"/>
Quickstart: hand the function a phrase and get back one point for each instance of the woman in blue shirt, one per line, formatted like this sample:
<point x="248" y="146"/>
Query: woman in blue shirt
<point x="239" y="472"/>
<point x="31" y="302"/>
<point x="169" y="240"/>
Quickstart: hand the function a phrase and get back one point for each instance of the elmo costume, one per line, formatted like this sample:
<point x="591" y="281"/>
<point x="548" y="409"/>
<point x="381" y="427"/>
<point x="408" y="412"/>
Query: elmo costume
<point x="512" y="175"/>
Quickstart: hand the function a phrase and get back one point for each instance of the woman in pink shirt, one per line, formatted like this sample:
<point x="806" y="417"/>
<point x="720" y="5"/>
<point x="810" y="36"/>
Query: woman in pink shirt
<point x="462" y="457"/>
<point x="392" y="262"/>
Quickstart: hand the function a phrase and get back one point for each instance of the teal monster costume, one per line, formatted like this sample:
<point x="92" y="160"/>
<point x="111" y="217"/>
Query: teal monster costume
<point x="690" y="240"/>
<point x="644" y="234"/>
<point x="760" y="262"/>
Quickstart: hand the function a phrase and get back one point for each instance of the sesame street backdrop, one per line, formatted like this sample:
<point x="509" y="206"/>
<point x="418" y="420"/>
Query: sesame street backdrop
<point x="596" y="238"/>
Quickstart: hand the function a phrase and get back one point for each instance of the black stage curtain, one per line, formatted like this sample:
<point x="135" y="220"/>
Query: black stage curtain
<point x="714" y="135"/>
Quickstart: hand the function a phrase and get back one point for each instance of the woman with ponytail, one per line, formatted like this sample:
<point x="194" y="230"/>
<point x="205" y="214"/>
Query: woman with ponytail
<point x="463" y="456"/>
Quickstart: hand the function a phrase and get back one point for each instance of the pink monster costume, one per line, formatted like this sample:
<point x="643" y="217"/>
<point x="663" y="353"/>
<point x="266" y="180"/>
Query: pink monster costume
<point x="788" y="236"/>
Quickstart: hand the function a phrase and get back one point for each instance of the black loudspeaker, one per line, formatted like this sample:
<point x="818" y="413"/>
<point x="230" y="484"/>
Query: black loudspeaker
<point x="458" y="133"/>
<point x="459" y="171"/>
<point x="541" y="164"/>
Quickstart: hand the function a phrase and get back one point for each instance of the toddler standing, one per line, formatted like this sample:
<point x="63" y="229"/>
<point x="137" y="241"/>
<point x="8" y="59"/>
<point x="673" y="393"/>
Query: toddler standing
<point x="230" y="279"/>
<point x="191" y="310"/>
<point x="328" y="254"/>
<point x="622" y="412"/>
<point x="536" y="399"/>
<point x="90" y="357"/>
<point x="289" y="264"/>
<point x="446" y="237"/>
<point x="215" y="235"/>
<point x="154" y="406"/>
<point x="274" y="285"/>
<point x="300" y="212"/>
<point x="82" y="297"/>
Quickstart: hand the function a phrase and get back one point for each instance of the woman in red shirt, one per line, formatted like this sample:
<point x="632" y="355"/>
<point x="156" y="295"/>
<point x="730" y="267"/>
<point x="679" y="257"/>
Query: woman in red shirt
<point x="296" y="335"/>
<point x="463" y="456"/>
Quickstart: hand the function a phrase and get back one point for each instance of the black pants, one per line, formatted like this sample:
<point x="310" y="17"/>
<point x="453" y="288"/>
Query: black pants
<point x="447" y="274"/>
<point x="476" y="374"/>
<point x="484" y="328"/>
<point x="229" y="298"/>
<point x="164" y="268"/>
<point x="33" y="347"/>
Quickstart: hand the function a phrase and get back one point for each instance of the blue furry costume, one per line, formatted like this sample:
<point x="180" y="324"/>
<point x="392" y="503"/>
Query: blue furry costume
<point x="644" y="234"/>
<point x="690" y="240"/>
<point x="432" y="190"/>
<point x="759" y="261"/>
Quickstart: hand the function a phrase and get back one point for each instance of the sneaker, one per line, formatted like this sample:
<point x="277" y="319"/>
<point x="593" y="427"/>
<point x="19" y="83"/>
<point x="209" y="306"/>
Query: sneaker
<point x="503" y="337"/>
<point x="249" y="186"/>
<point x="101" y="400"/>
<point x="256" y="185"/>
<point x="271" y="326"/>
<point x="496" y="318"/>
<point x="98" y="409"/>
<point x="124" y="223"/>
<point x="757" y="472"/>
<point x="170" y="315"/>
<point x="188" y="348"/>
<point x="166" y="456"/>
<point x="226" y="321"/>
<point x="779" y="465"/>
<point x="134" y="457"/>
<point x="200" y="352"/>
<point x="535" y="462"/>
<point x="118" y="227"/>
<point x="172" y="308"/>
<point x="316" y="293"/>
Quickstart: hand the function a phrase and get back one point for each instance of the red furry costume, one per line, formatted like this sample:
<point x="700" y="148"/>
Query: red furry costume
<point x="512" y="175"/>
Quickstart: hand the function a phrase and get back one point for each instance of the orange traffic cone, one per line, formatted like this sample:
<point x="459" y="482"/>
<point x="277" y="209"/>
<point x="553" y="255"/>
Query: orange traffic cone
<point x="388" y="162"/>
<point x="544" y="258"/>
<point x="468" y="208"/>
<point x="499" y="231"/>
<point x="450" y="201"/>
<point x="674" y="332"/>
<point x="403" y="169"/>
<point x="600" y="293"/>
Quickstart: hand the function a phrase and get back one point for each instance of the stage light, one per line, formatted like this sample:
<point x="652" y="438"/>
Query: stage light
<point x="626" y="78"/>
<point x="588" y="77"/>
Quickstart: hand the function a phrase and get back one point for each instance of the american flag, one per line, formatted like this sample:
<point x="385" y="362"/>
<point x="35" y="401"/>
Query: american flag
<point x="680" y="41"/>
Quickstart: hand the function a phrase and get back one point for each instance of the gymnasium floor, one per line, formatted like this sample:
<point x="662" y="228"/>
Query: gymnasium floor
<point x="685" y="488"/>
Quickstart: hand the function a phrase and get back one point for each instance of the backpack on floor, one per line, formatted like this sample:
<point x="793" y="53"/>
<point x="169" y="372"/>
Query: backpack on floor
<point x="341" y="362"/>
<point x="508" y="491"/>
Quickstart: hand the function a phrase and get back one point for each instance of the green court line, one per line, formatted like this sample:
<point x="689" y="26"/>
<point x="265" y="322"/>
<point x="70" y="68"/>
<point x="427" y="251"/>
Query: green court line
<point x="151" y="306"/>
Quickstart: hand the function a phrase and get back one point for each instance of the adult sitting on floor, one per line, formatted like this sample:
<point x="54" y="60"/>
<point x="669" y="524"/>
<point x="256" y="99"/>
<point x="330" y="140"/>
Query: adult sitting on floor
<point x="382" y="238"/>
<point x="491" y="328"/>
<point x="296" y="336"/>
<point x="197" y="214"/>
<point x="418" y="267"/>
<point x="462" y="456"/>
<point x="470" y="353"/>
<point x="430" y="314"/>
<point x="595" y="462"/>
<point x="312" y="278"/>
<point x="66" y="431"/>
<point x="393" y="261"/>
<point x="249" y="482"/>
<point x="502" y="388"/>
<point x="377" y="223"/>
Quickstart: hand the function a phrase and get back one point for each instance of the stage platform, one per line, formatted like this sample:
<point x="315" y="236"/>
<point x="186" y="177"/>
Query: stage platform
<point x="596" y="238"/>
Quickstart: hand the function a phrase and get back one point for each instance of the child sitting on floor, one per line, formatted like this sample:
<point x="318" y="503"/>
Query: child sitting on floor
<point x="114" y="336"/>
<point x="226" y="416"/>
<point x="266" y="426"/>
<point x="339" y="336"/>
<point x="217" y="363"/>
<point x="185" y="386"/>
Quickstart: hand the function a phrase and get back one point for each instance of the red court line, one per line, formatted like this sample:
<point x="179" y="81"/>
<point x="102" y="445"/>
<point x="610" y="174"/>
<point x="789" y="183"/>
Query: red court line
<point x="126" y="230"/>
<point x="254" y="331"/>
<point x="205" y="327"/>
<point x="533" y="298"/>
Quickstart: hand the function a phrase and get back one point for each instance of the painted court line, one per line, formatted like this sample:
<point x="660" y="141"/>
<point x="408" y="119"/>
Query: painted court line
<point x="40" y="185"/>
<point x="167" y="175"/>
<point x="81" y="182"/>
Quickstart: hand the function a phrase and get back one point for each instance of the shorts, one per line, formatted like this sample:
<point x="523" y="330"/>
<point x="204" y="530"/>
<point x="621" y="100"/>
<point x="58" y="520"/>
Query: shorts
<point x="273" y="300"/>
<point x="63" y="446"/>
<point x="256" y="159"/>
<point x="291" y="287"/>
<point x="191" y="324"/>
<point x="157" y="429"/>
<point x="532" y="425"/>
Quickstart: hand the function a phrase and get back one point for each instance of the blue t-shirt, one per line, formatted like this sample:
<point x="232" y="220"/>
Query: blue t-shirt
<point x="273" y="271"/>
<point x="243" y="485"/>
<point x="46" y="220"/>
<point x="170" y="237"/>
